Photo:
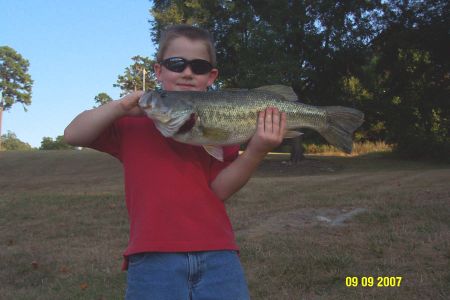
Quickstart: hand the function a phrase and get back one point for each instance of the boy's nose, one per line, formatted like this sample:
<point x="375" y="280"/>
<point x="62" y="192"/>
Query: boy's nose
<point x="188" y="71"/>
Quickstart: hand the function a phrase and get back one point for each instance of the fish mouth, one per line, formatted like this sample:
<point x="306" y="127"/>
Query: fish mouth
<point x="187" y="126"/>
<point x="145" y="101"/>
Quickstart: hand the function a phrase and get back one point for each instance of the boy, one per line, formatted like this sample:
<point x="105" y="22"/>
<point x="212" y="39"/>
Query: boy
<point x="181" y="242"/>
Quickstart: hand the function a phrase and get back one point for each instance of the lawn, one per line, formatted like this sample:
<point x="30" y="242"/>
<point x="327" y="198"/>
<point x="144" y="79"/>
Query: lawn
<point x="303" y="229"/>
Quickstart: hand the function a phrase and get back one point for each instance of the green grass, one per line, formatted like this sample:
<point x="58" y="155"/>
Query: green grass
<point x="50" y="247"/>
<point x="63" y="227"/>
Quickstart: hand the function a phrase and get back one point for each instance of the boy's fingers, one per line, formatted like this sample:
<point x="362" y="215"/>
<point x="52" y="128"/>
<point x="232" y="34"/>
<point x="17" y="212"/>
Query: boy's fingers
<point x="137" y="95"/>
<point x="134" y="96"/>
<point x="261" y="117"/>
<point x="130" y="102"/>
<point x="283" y="122"/>
<point x="276" y="121"/>
<point x="268" y="124"/>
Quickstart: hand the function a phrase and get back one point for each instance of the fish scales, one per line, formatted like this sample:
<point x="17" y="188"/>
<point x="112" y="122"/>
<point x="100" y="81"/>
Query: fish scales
<point x="239" y="111"/>
<point x="226" y="115"/>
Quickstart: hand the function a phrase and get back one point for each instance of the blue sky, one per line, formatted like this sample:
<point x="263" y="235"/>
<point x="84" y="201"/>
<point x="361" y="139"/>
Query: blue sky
<point x="76" y="50"/>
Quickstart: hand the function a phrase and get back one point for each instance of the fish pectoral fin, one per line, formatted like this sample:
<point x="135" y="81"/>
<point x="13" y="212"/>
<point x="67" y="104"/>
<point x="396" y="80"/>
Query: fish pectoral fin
<point x="215" y="134"/>
<point x="285" y="91"/>
<point x="292" y="134"/>
<point x="214" y="151"/>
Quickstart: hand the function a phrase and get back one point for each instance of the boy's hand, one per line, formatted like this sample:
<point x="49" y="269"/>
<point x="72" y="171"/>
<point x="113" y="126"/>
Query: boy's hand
<point x="129" y="104"/>
<point x="270" y="132"/>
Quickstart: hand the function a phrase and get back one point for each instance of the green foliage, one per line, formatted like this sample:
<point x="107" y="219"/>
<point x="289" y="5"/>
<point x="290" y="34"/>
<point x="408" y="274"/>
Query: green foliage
<point x="15" y="82"/>
<point x="414" y="81"/>
<point x="102" y="98"/>
<point x="132" y="79"/>
<point x="48" y="143"/>
<point x="387" y="58"/>
<point x="263" y="42"/>
<point x="11" y="142"/>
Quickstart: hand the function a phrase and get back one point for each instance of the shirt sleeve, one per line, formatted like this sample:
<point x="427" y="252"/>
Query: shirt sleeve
<point x="230" y="153"/>
<point x="108" y="141"/>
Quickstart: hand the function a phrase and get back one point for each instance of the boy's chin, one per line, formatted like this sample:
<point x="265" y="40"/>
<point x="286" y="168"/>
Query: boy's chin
<point x="185" y="87"/>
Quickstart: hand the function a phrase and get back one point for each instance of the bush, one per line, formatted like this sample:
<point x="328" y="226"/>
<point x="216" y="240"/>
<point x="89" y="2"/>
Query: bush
<point x="58" y="144"/>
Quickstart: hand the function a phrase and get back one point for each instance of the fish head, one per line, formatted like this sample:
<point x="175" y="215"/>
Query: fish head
<point x="156" y="106"/>
<point x="169" y="111"/>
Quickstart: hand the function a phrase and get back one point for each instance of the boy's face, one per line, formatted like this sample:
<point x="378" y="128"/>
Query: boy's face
<point x="186" y="80"/>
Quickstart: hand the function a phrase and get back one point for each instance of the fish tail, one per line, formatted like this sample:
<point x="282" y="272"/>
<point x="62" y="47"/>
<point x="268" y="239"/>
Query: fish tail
<point x="341" y="122"/>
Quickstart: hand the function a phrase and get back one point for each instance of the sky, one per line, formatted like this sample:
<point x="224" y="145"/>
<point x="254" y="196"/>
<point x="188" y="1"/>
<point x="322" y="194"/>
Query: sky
<point x="76" y="50"/>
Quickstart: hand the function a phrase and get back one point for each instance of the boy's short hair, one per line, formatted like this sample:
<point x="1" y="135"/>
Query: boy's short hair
<point x="190" y="32"/>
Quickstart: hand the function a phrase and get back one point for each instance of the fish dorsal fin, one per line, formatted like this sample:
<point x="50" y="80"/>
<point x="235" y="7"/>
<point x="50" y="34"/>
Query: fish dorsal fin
<point x="286" y="91"/>
<point x="292" y="134"/>
<point x="214" y="151"/>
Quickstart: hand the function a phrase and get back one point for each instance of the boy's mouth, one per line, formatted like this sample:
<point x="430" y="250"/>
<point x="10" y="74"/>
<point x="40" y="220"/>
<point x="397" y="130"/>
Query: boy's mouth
<point x="186" y="86"/>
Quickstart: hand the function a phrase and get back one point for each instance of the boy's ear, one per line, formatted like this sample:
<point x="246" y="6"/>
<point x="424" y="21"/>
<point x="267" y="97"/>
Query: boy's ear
<point x="213" y="76"/>
<point x="157" y="69"/>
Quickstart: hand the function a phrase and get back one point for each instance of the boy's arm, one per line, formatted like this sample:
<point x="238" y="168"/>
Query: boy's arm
<point x="269" y="134"/>
<point x="88" y="125"/>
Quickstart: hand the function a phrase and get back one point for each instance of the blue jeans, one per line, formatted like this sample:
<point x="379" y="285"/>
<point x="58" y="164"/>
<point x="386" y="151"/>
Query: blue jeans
<point x="211" y="275"/>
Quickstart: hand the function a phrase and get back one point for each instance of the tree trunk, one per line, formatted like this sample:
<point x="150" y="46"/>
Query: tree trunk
<point x="297" y="150"/>
<point x="1" y="114"/>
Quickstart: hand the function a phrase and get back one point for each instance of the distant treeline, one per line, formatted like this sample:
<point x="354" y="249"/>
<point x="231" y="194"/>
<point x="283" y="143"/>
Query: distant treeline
<point x="10" y="141"/>
<point x="389" y="59"/>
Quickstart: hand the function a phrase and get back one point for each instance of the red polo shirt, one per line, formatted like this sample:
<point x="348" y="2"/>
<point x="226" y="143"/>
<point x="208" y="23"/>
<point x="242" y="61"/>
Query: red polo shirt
<point x="171" y="207"/>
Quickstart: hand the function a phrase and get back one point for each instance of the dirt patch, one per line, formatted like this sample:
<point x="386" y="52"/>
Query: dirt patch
<point x="296" y="219"/>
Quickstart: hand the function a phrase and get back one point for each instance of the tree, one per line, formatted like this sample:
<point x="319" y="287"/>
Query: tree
<point x="48" y="143"/>
<point x="102" y="98"/>
<point x="15" y="82"/>
<point x="413" y="77"/>
<point x="133" y="79"/>
<point x="11" y="142"/>
<point x="271" y="41"/>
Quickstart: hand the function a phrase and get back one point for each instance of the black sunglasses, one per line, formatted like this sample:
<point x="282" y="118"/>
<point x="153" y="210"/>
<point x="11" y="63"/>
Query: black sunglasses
<point x="178" y="64"/>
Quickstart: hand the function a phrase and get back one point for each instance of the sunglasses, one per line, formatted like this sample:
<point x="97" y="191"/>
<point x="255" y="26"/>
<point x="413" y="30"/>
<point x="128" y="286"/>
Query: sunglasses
<point x="178" y="64"/>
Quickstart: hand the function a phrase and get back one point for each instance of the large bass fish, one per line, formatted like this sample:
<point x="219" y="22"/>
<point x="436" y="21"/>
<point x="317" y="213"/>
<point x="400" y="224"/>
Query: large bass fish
<point x="214" y="119"/>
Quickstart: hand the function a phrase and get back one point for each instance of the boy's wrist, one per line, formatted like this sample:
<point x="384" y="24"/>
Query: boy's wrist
<point x="255" y="156"/>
